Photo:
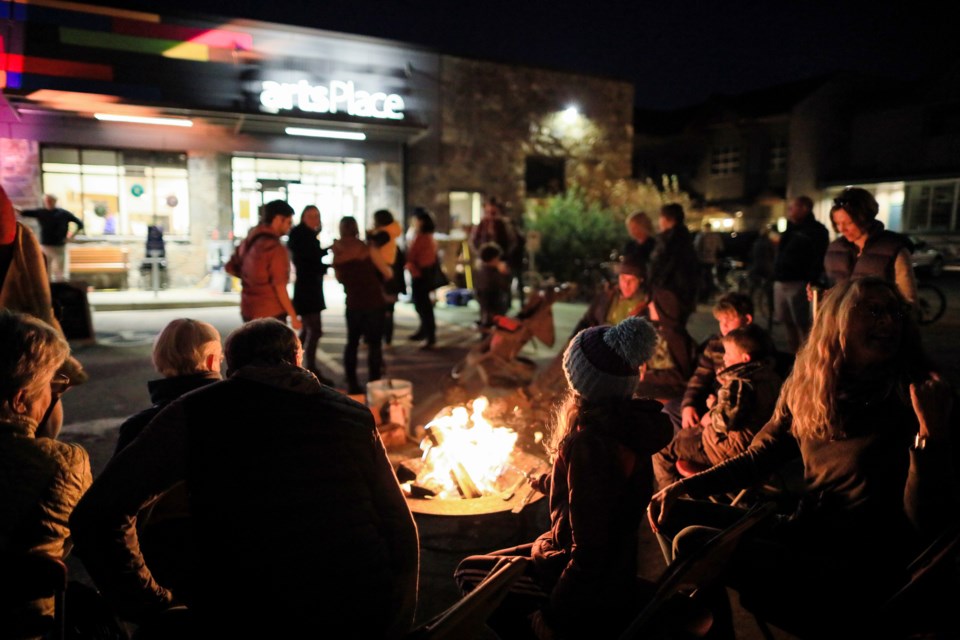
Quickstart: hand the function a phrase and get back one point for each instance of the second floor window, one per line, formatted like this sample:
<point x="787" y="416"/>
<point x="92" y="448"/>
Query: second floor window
<point x="725" y="161"/>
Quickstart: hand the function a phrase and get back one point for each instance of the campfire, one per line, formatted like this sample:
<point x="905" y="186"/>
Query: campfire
<point x="467" y="458"/>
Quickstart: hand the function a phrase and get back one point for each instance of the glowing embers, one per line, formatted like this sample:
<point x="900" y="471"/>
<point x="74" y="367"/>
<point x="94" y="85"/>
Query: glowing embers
<point x="464" y="456"/>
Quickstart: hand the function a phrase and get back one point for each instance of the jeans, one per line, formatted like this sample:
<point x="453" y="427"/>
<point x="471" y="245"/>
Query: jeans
<point x="792" y="308"/>
<point x="309" y="337"/>
<point x="424" y="308"/>
<point x="369" y="326"/>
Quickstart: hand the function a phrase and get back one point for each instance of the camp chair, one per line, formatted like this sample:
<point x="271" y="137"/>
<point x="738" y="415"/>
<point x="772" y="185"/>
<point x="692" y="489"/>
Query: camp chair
<point x="698" y="570"/>
<point x="31" y="576"/>
<point x="466" y="617"/>
<point x="783" y="485"/>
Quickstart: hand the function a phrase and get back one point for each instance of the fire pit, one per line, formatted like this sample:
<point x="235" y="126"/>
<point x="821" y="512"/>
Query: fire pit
<point x="469" y="466"/>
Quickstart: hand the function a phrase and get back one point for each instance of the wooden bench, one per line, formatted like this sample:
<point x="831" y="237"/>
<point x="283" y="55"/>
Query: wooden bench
<point x="100" y="263"/>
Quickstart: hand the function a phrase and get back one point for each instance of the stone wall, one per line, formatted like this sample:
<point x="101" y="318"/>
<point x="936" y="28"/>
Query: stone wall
<point x="384" y="189"/>
<point x="494" y="116"/>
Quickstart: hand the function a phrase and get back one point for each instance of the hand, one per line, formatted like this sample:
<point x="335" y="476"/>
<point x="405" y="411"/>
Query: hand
<point x="932" y="402"/>
<point x="689" y="417"/>
<point x="295" y="323"/>
<point x="643" y="371"/>
<point x="809" y="292"/>
<point x="711" y="400"/>
<point x="660" y="504"/>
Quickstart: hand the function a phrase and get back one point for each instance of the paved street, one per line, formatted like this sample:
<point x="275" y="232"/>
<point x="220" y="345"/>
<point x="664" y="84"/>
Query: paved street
<point x="119" y="367"/>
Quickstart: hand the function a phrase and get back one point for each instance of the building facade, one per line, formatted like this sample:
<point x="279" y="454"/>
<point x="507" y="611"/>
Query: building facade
<point x="743" y="157"/>
<point x="136" y="120"/>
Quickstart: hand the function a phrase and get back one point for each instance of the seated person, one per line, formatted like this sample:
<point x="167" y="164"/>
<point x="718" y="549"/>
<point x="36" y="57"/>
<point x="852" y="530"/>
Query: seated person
<point x="41" y="479"/>
<point x="294" y="504"/>
<point x="610" y="306"/>
<point x="731" y="310"/>
<point x="874" y="429"/>
<point x="743" y="404"/>
<point x="492" y="284"/>
<point x="582" y="581"/>
<point x="664" y="376"/>
<point x="187" y="353"/>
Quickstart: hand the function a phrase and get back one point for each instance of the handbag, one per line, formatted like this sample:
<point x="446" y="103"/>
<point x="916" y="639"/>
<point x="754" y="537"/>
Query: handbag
<point x="434" y="276"/>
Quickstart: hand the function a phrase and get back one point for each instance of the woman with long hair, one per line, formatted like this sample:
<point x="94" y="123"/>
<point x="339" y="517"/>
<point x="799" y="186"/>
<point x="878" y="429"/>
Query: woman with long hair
<point x="871" y="424"/>
<point x="582" y="580"/>
<point x="421" y="261"/>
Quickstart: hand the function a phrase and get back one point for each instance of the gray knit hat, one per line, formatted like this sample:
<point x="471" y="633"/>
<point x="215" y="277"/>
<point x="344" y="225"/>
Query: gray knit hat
<point x="602" y="363"/>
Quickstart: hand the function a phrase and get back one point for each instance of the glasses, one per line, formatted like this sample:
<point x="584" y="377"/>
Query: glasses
<point x="60" y="383"/>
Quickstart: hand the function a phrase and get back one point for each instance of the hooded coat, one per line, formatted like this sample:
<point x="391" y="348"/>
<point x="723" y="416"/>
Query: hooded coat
<point x="599" y="487"/>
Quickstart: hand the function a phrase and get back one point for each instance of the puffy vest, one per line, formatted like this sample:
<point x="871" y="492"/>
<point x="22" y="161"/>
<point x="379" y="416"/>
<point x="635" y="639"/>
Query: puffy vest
<point x="877" y="259"/>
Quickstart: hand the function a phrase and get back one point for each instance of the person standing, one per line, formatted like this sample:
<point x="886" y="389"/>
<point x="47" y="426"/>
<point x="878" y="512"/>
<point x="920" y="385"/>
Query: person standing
<point x="308" y="300"/>
<point x="421" y="261"/>
<point x="641" y="243"/>
<point x="673" y="264"/>
<point x="54" y="234"/>
<point x="798" y="262"/>
<point x="385" y="234"/>
<point x="864" y="247"/>
<point x="263" y="266"/>
<point x="708" y="245"/>
<point x="362" y="272"/>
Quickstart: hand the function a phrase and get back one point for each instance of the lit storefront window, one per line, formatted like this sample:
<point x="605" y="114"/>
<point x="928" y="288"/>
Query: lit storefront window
<point x="119" y="193"/>
<point x="336" y="188"/>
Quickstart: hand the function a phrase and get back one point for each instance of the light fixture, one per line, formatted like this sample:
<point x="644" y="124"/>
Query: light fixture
<point x="570" y="114"/>
<point x="169" y="122"/>
<point x="325" y="133"/>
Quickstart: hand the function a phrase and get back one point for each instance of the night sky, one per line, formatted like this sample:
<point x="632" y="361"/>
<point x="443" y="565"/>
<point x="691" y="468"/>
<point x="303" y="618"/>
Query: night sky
<point x="677" y="53"/>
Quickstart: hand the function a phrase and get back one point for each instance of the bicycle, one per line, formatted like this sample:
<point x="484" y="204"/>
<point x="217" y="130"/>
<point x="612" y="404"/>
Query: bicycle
<point x="931" y="303"/>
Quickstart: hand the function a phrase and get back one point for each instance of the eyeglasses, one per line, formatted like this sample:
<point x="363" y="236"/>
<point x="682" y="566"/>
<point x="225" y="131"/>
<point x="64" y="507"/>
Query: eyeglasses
<point x="60" y="383"/>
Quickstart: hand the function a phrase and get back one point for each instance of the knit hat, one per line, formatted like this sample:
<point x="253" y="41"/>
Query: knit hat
<point x="602" y="363"/>
<point x="632" y="265"/>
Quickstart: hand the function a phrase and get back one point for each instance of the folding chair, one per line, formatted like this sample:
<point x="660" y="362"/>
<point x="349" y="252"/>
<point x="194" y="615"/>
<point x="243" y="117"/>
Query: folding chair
<point x="466" y="617"/>
<point x="699" y="570"/>
<point x="25" y="577"/>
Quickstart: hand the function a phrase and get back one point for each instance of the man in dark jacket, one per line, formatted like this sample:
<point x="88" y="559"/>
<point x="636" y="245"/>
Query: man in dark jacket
<point x="297" y="512"/>
<point x="799" y="262"/>
<point x="674" y="263"/>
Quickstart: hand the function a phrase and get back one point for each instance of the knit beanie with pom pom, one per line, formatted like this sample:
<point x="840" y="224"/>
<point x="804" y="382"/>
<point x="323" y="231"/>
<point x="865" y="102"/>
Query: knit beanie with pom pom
<point x="602" y="363"/>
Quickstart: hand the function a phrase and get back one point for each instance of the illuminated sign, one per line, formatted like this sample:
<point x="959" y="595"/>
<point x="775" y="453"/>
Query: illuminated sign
<point x="336" y="97"/>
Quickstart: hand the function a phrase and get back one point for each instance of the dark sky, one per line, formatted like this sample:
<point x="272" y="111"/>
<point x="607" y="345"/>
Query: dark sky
<point x="677" y="53"/>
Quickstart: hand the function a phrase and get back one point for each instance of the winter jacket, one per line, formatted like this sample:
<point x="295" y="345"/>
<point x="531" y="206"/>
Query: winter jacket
<point x="800" y="251"/>
<point x="745" y="402"/>
<point x="421" y="254"/>
<point x="362" y="272"/>
<point x="307" y="259"/>
<point x="41" y="481"/>
<point x="596" y="313"/>
<point x="703" y="382"/>
<point x="162" y="391"/>
<point x="262" y="264"/>
<point x="389" y="250"/>
<point x="674" y="266"/>
<point x="666" y="374"/>
<point x="293" y="500"/>
<point x="865" y="479"/>
<point x="599" y="487"/>
<point x="880" y="257"/>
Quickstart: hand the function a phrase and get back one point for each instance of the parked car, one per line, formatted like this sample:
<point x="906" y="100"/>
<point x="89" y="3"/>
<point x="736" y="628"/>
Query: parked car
<point x="926" y="259"/>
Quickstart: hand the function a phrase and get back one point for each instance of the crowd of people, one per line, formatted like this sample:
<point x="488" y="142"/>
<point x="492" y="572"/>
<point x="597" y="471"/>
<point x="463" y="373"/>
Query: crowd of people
<point x="214" y="518"/>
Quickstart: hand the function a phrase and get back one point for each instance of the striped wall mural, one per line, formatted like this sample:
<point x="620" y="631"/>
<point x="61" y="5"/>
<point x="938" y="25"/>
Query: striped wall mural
<point x="100" y="45"/>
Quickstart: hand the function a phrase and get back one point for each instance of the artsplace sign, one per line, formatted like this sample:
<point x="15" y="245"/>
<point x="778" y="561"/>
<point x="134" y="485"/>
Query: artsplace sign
<point x="337" y="96"/>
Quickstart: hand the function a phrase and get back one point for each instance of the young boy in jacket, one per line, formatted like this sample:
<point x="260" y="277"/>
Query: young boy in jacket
<point x="742" y="405"/>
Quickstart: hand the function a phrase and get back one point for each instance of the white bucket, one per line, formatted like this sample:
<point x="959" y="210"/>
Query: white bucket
<point x="391" y="400"/>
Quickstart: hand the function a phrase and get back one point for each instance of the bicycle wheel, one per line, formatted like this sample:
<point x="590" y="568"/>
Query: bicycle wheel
<point x="931" y="303"/>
